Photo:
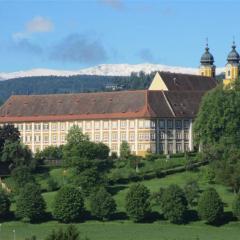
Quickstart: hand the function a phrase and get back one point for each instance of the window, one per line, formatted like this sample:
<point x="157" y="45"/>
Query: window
<point x="28" y="139"/>
<point x="37" y="138"/>
<point x="170" y="123"/>
<point x="97" y="125"/>
<point x="186" y="124"/>
<point x="161" y="147"/>
<point x="170" y="148"/>
<point x="54" y="138"/>
<point x="162" y="124"/>
<point x="178" y="124"/>
<point x="179" y="147"/>
<point x="123" y="137"/>
<point x="97" y="137"/>
<point x="132" y="124"/>
<point x="105" y="125"/>
<point x="114" y="147"/>
<point x="132" y="136"/>
<point x="80" y="125"/>
<point x="20" y="127"/>
<point x="178" y="134"/>
<point x="114" y="125"/>
<point x="162" y="134"/>
<point x="147" y="124"/>
<point x="123" y="124"/>
<point x="153" y="136"/>
<point x="37" y="127"/>
<point x="54" y="126"/>
<point x="45" y="127"/>
<point x="45" y="138"/>
<point x="141" y="136"/>
<point x="229" y="73"/>
<point x="28" y="127"/>
<point x="141" y="124"/>
<point x="63" y="126"/>
<point x="114" y="136"/>
<point x="170" y="134"/>
<point x="88" y="125"/>
<point x="186" y="135"/>
<point x="105" y="137"/>
<point x="63" y="138"/>
<point x="152" y="124"/>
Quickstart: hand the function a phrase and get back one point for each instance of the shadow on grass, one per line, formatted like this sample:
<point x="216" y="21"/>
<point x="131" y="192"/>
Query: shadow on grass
<point x="226" y="218"/>
<point x="115" y="189"/>
<point x="119" y="216"/>
<point x="191" y="216"/>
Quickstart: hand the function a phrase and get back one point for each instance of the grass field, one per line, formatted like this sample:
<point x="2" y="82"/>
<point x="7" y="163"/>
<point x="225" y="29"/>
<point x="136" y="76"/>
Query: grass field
<point x="126" y="230"/>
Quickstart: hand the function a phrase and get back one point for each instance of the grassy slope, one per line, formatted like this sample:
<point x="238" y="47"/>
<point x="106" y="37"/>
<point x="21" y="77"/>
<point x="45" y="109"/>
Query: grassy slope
<point x="160" y="230"/>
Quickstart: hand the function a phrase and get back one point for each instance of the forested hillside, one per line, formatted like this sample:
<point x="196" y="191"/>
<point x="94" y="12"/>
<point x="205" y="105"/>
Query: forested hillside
<point x="72" y="84"/>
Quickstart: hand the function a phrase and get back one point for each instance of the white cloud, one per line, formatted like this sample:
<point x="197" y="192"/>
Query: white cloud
<point x="36" y="25"/>
<point x="39" y="24"/>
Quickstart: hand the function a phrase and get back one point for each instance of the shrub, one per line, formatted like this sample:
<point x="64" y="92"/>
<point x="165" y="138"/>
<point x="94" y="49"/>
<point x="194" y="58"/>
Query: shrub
<point x="21" y="176"/>
<point x="4" y="204"/>
<point x="68" y="204"/>
<point x="191" y="190"/>
<point x="138" y="202"/>
<point x="102" y="204"/>
<point x="236" y="207"/>
<point x="174" y="204"/>
<point x="30" y="205"/>
<point x="210" y="206"/>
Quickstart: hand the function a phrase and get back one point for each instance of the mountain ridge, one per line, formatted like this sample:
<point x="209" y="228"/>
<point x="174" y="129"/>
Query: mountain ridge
<point x="103" y="70"/>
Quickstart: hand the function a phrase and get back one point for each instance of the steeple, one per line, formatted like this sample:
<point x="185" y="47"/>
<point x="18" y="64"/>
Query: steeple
<point x="207" y="68"/>
<point x="232" y="66"/>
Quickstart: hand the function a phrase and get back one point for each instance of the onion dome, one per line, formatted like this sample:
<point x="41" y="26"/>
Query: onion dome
<point x="233" y="56"/>
<point x="207" y="57"/>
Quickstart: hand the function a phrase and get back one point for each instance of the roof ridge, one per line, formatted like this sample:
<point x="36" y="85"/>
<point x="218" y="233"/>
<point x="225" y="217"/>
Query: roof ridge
<point x="168" y="103"/>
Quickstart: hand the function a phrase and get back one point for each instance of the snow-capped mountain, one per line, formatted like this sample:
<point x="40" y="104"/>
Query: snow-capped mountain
<point x="104" y="70"/>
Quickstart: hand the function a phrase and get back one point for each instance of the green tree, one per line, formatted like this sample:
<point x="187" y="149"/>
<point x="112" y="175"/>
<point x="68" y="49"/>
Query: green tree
<point x="125" y="150"/>
<point x="4" y="204"/>
<point x="191" y="190"/>
<point x="17" y="154"/>
<point x="137" y="202"/>
<point x="50" y="153"/>
<point x="68" y="205"/>
<point x="30" y="205"/>
<point x="174" y="204"/>
<point x="75" y="136"/>
<point x="8" y="133"/>
<point x="21" y="176"/>
<point x="210" y="206"/>
<point x="236" y="207"/>
<point x="102" y="204"/>
<point x="89" y="180"/>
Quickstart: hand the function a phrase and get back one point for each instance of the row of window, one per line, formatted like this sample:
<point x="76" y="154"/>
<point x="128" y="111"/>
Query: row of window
<point x="169" y="134"/>
<point x="170" y="147"/>
<point x="142" y="124"/>
<point x="37" y="139"/>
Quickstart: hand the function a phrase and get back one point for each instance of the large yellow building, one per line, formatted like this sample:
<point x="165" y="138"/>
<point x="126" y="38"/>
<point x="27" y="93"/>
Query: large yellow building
<point x="158" y="119"/>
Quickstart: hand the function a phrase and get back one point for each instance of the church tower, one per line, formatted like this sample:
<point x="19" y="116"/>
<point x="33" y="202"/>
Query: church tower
<point x="207" y="68"/>
<point x="232" y="66"/>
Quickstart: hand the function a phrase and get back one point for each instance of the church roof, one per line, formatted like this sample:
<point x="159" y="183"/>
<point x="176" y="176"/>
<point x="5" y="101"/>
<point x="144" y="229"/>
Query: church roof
<point x="187" y="82"/>
<point x="207" y="57"/>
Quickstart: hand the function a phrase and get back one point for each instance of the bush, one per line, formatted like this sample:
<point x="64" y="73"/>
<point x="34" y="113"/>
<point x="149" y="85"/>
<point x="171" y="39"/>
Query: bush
<point x="30" y="205"/>
<point x="68" y="204"/>
<point x="138" y="202"/>
<point x="210" y="206"/>
<point x="174" y="204"/>
<point x="236" y="207"/>
<point x="71" y="233"/>
<point x="191" y="190"/>
<point x="102" y="204"/>
<point x="209" y="175"/>
<point x="4" y="204"/>
<point x="21" y="176"/>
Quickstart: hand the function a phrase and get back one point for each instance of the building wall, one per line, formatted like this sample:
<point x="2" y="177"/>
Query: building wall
<point x="143" y="135"/>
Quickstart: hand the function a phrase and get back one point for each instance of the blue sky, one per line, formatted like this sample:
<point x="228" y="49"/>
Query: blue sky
<point x="74" y="34"/>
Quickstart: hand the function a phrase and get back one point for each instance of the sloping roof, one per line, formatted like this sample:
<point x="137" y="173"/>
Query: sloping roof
<point x="187" y="82"/>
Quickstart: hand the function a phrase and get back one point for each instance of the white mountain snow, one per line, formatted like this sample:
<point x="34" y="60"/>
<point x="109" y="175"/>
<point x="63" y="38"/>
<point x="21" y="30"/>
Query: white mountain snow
<point x="103" y="70"/>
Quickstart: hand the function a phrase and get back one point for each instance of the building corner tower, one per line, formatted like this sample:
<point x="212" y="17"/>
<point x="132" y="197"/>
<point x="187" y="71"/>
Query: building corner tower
<point x="207" y="68"/>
